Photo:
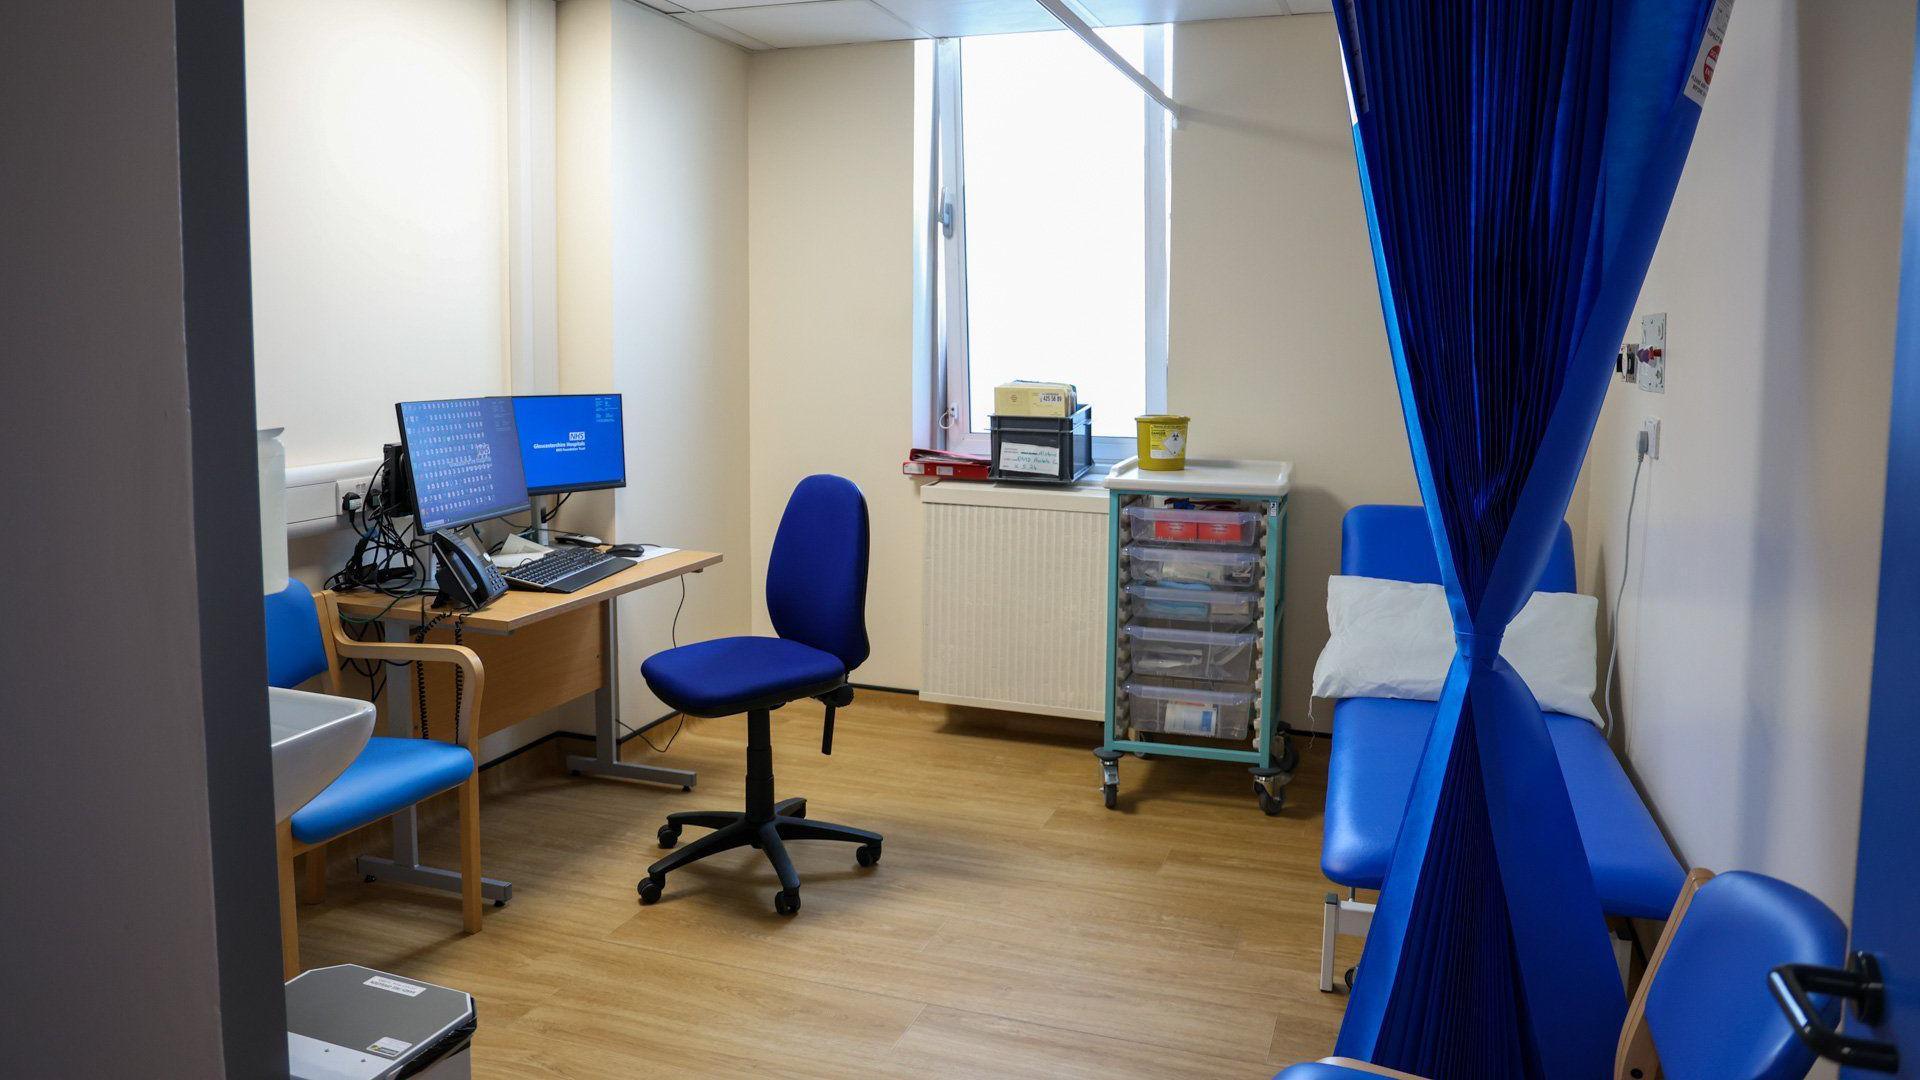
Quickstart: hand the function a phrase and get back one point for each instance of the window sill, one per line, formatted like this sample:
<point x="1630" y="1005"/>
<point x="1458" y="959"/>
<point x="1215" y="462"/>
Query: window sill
<point x="1088" y="496"/>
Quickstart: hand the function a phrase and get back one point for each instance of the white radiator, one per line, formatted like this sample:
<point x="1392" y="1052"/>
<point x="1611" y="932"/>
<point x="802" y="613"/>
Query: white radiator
<point x="1016" y="598"/>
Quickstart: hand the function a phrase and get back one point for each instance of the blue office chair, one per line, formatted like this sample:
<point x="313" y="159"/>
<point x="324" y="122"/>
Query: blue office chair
<point x="391" y="774"/>
<point x="1705" y="1008"/>
<point x="817" y="599"/>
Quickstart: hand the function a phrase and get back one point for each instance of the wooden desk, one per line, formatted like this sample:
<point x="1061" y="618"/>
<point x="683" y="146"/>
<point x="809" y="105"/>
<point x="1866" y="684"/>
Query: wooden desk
<point x="540" y="650"/>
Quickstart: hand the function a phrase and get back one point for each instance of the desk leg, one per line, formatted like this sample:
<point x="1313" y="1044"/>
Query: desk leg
<point x="606" y="706"/>
<point x="404" y="868"/>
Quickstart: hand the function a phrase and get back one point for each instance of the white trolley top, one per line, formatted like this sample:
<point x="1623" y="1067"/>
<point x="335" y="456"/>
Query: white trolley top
<point x="1250" y="479"/>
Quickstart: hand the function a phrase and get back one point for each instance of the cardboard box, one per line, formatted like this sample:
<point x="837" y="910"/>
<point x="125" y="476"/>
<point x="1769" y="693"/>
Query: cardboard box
<point x="1024" y="397"/>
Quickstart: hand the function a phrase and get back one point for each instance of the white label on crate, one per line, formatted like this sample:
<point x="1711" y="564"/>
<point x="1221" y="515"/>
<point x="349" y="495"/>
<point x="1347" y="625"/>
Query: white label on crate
<point x="395" y="986"/>
<point x="389" y="1047"/>
<point x="1028" y="458"/>
<point x="1189" y="718"/>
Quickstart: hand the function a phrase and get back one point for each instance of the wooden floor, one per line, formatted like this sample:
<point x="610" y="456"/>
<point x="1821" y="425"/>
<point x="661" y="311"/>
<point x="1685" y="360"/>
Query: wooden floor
<point x="1015" y="927"/>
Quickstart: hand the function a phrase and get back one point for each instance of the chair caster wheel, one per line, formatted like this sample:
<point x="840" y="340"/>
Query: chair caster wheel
<point x="686" y="787"/>
<point x="370" y="879"/>
<point x="649" y="889"/>
<point x="867" y="854"/>
<point x="1110" y="794"/>
<point x="1271" y="805"/>
<point x="787" y="902"/>
<point x="669" y="835"/>
<point x="573" y="772"/>
<point x="1349" y="980"/>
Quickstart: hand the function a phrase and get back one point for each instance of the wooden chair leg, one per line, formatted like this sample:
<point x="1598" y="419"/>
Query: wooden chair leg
<point x="313" y="883"/>
<point x="470" y="882"/>
<point x="289" y="921"/>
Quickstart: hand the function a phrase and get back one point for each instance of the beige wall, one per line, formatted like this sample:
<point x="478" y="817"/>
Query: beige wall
<point x="376" y="148"/>
<point x="653" y="287"/>
<point x="830" y="212"/>
<point x="1747" y="629"/>
<point x="1276" y="345"/>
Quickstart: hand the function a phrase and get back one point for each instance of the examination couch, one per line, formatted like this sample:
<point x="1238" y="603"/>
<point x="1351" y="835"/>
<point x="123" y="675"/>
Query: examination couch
<point x="1377" y="744"/>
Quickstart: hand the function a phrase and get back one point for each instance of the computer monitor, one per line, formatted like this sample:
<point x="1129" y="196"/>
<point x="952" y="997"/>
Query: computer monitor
<point x="571" y="442"/>
<point x="463" y="456"/>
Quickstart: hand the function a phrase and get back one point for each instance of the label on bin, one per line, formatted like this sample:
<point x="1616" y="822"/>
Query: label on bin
<point x="389" y="1047"/>
<point x="1029" y="458"/>
<point x="1216" y="532"/>
<point x="395" y="986"/>
<point x="1190" y="718"/>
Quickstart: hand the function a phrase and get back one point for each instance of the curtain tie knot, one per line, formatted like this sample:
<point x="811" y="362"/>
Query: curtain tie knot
<point x="1478" y="646"/>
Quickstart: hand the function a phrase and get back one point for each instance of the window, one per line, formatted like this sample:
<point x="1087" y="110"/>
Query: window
<point x="1051" y="168"/>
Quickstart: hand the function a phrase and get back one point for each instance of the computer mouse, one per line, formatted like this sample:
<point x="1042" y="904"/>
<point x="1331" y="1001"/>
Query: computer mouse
<point x="628" y="551"/>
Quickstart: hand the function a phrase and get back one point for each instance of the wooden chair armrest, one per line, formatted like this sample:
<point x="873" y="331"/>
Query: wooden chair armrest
<point x="408" y="652"/>
<point x="1635" y="1055"/>
<point x="1368" y="1067"/>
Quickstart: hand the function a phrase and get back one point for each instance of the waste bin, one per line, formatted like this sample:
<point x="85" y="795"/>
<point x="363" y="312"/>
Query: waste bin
<point x="349" y="1022"/>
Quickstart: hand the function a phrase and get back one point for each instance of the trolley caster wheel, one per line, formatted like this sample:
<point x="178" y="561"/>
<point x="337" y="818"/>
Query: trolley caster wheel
<point x="669" y="835"/>
<point x="649" y="889"/>
<point x="370" y="879"/>
<point x="867" y="854"/>
<point x="499" y="903"/>
<point x="1348" y="977"/>
<point x="683" y="787"/>
<point x="1289" y="760"/>
<point x="787" y="902"/>
<point x="1271" y="805"/>
<point x="1110" y="794"/>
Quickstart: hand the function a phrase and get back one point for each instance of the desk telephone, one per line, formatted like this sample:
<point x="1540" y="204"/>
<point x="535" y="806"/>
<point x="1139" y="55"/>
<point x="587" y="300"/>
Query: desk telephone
<point x="466" y="577"/>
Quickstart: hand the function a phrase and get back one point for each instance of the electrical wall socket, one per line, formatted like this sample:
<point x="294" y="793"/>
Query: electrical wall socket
<point x="1650" y="437"/>
<point x="355" y="490"/>
<point x="1652" y="368"/>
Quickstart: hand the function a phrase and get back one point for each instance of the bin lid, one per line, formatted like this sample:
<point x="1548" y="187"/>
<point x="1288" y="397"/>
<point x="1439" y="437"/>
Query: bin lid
<point x="1206" y="476"/>
<point x="349" y="1022"/>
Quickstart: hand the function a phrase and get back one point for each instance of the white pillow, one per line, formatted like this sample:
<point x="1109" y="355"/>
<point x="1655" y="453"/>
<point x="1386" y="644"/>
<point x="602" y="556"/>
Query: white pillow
<point x="1394" y="639"/>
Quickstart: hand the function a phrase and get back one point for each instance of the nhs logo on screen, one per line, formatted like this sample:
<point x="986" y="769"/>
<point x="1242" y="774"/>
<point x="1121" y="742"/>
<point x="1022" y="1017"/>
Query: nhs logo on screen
<point x="577" y="436"/>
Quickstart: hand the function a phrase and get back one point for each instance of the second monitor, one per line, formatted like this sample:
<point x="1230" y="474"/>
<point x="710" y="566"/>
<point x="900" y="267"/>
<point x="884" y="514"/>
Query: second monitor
<point x="571" y="442"/>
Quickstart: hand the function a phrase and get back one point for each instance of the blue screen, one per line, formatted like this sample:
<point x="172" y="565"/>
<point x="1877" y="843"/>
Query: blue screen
<point x="571" y="442"/>
<point x="465" y="460"/>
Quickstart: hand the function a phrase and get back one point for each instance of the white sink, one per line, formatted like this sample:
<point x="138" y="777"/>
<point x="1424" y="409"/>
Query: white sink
<point x="315" y="738"/>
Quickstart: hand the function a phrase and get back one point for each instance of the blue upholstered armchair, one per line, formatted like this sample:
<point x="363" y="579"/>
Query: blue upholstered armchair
<point x="304" y="640"/>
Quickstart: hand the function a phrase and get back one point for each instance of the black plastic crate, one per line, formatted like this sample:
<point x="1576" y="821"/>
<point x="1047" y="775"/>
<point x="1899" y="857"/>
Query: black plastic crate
<point x="1043" y="449"/>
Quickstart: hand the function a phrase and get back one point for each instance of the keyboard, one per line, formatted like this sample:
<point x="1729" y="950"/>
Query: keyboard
<point x="565" y="570"/>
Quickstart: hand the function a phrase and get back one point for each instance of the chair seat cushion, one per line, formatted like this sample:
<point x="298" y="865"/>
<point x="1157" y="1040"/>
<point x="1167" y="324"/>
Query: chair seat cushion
<point x="389" y="775"/>
<point x="732" y="675"/>
<point x="1376" y="749"/>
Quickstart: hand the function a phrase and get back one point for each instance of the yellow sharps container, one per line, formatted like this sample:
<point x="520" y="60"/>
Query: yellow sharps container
<point x="1163" y="442"/>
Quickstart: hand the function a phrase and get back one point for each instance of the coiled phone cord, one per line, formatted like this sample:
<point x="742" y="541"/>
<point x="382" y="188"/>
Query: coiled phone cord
<point x="459" y="673"/>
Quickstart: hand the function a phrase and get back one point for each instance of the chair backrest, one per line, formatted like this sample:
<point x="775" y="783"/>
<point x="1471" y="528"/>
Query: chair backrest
<point x="1707" y="1002"/>
<point x="1395" y="542"/>
<point x="295" y="652"/>
<point x="817" y="574"/>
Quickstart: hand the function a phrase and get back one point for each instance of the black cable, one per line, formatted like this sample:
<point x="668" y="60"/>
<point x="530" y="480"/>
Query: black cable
<point x="673" y="635"/>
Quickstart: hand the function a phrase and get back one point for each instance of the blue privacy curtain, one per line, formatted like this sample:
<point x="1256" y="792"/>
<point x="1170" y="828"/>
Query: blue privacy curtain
<point x="1517" y="158"/>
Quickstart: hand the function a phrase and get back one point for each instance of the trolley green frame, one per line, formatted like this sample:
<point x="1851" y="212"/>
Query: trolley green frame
<point x="1271" y="759"/>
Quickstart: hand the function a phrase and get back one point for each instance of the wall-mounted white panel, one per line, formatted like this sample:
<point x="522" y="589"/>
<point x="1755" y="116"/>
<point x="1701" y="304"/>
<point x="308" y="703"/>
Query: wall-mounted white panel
<point x="825" y="22"/>
<point x="1137" y="12"/>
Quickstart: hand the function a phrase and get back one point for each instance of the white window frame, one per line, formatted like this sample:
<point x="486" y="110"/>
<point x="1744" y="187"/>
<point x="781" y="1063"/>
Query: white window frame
<point x="952" y="407"/>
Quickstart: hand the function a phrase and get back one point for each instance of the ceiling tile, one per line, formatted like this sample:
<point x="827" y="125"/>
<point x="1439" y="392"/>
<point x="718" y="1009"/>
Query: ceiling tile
<point x="960" y="18"/>
<point x="697" y="21"/>
<point x="821" y="22"/>
<point x="1137" y="12"/>
<point x="716" y="5"/>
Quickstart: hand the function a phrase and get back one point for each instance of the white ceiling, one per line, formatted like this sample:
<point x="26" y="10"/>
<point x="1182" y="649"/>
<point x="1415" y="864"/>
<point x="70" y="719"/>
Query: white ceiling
<point x="787" y="24"/>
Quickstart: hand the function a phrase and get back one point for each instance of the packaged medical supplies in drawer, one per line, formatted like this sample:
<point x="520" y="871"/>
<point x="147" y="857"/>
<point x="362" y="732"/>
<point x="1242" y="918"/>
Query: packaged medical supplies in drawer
<point x="1164" y="652"/>
<point x="1195" y="607"/>
<point x="1162" y="565"/>
<point x="1215" y="528"/>
<point x="1177" y="710"/>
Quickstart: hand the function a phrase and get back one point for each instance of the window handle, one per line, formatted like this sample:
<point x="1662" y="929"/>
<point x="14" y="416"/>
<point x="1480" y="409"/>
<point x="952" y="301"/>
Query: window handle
<point x="948" y="417"/>
<point x="946" y="219"/>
